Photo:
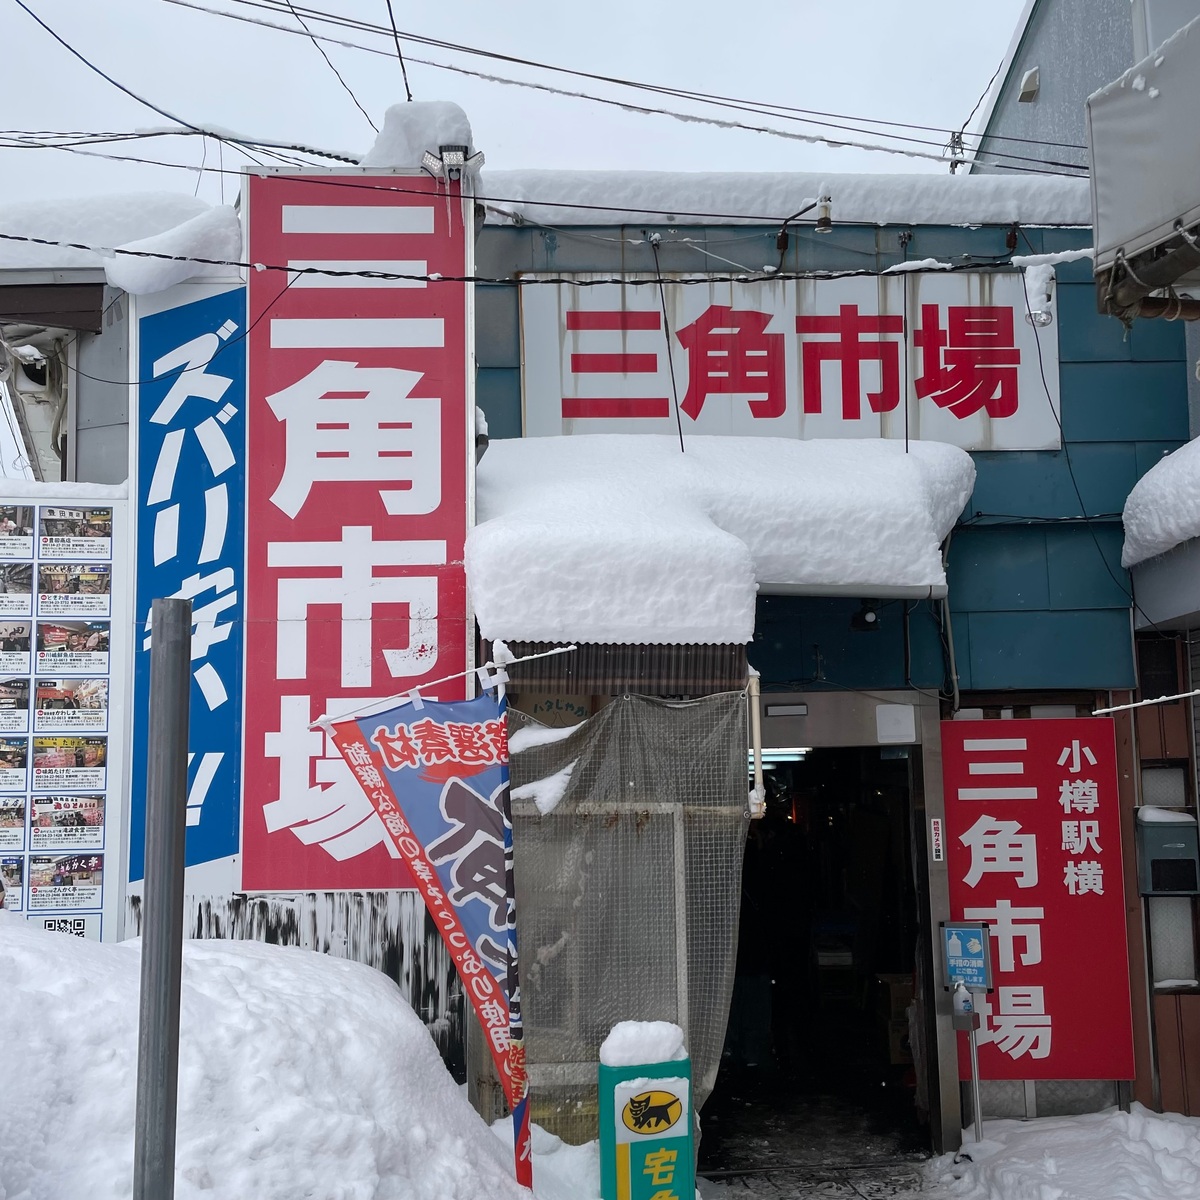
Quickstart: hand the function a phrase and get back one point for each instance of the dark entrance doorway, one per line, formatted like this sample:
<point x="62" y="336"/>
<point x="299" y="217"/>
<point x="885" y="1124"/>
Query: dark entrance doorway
<point x="817" y="1076"/>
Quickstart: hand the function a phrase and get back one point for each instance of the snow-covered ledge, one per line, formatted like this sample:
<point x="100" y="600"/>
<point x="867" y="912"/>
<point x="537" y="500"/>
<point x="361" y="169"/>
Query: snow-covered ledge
<point x="1162" y="541"/>
<point x="624" y="539"/>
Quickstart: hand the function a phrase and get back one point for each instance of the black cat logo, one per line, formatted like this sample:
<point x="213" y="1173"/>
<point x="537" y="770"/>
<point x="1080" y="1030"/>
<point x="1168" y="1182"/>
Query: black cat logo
<point x="652" y="1112"/>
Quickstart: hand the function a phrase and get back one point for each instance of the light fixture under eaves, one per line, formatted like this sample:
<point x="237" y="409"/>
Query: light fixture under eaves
<point x="787" y="710"/>
<point x="451" y="162"/>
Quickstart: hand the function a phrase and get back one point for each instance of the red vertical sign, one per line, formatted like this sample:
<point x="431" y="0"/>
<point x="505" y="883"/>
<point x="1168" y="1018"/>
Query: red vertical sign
<point x="1033" y="837"/>
<point x="358" y="500"/>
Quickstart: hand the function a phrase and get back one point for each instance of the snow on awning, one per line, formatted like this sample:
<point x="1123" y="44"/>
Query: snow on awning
<point x="1163" y="509"/>
<point x="749" y="197"/>
<point x="623" y="539"/>
<point x="155" y="222"/>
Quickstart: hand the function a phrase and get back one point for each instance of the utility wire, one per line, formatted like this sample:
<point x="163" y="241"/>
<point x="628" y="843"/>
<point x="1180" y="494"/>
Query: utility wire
<point x="983" y="96"/>
<point x="654" y="280"/>
<point x="1038" y="165"/>
<point x="360" y="25"/>
<point x="329" y="63"/>
<point x="670" y="215"/>
<point x="399" y="52"/>
<point x="162" y="112"/>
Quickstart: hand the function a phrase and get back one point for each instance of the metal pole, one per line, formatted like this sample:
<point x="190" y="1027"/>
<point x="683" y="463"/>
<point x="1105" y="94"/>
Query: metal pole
<point x="162" y="901"/>
<point x="973" y="1040"/>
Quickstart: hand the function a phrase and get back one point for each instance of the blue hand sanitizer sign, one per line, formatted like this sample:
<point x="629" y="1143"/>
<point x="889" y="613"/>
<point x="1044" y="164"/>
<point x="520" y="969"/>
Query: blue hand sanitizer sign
<point x="967" y="955"/>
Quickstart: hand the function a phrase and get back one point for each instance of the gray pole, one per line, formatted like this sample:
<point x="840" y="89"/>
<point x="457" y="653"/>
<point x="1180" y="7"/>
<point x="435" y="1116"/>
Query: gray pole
<point x="973" y="1040"/>
<point x="162" y="901"/>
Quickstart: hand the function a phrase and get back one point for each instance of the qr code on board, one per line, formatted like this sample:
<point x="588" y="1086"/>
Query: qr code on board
<point x="75" y="925"/>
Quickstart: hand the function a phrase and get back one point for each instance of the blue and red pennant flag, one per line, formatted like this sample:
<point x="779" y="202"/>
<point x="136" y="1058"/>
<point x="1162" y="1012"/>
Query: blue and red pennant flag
<point x="437" y="775"/>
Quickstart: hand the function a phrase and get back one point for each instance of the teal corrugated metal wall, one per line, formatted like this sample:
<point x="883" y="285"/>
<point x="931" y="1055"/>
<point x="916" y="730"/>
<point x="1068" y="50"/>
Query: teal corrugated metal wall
<point x="1038" y="597"/>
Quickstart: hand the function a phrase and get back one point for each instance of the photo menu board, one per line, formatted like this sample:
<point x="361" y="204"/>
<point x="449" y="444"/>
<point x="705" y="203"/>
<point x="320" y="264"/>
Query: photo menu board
<point x="58" y="793"/>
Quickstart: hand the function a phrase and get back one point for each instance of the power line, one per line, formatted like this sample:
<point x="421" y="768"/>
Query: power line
<point x="162" y="112"/>
<point x="983" y="96"/>
<point x="361" y="25"/>
<point x="399" y="52"/>
<point x="506" y="281"/>
<point x="670" y="215"/>
<point x="1038" y="165"/>
<point x="329" y="63"/>
<point x="91" y="66"/>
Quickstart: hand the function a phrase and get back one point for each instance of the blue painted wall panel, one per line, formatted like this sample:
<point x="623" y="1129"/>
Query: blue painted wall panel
<point x="1124" y="401"/>
<point x="1031" y="484"/>
<point x="1002" y="568"/>
<point x="1083" y="334"/>
<point x="1157" y="340"/>
<point x="497" y="328"/>
<point x="1084" y="567"/>
<point x="498" y="393"/>
<point x="1050" y="650"/>
<point x="807" y="642"/>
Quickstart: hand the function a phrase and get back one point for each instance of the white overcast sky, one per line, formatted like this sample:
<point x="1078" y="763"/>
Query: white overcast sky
<point x="923" y="62"/>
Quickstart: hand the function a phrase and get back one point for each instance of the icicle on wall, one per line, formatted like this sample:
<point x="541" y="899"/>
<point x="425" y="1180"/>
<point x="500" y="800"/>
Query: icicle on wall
<point x="390" y="931"/>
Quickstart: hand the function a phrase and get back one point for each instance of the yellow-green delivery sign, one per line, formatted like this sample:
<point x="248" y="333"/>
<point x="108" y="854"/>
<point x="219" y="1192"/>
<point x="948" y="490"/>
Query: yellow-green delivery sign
<point x="652" y="1125"/>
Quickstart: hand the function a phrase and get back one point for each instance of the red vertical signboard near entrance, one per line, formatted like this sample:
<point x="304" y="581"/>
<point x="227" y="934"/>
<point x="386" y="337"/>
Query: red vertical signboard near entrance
<point x="358" y="500"/>
<point x="1033" y="843"/>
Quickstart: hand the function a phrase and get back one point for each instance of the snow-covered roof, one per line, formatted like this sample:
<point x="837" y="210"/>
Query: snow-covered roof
<point x="623" y="539"/>
<point x="161" y="222"/>
<point x="1163" y="510"/>
<point x="704" y="198"/>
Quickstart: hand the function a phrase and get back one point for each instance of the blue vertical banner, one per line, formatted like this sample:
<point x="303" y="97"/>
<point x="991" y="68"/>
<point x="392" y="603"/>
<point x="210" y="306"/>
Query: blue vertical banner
<point x="191" y="540"/>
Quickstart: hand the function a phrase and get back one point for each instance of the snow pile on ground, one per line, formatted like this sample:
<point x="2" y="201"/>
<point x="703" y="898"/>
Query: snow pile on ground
<point x="621" y="538"/>
<point x="1139" y="1155"/>
<point x="411" y="129"/>
<point x="708" y="198"/>
<point x="300" y="1075"/>
<point x="560" y="1171"/>
<point x="1163" y="509"/>
<point x="161" y="222"/>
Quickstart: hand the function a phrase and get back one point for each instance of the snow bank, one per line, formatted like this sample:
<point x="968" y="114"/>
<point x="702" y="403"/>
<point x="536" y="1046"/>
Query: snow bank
<point x="560" y="1171"/>
<point x="621" y="538"/>
<point x="634" y="1043"/>
<point x="767" y="198"/>
<point x="411" y="129"/>
<point x="159" y="221"/>
<point x="300" y="1075"/>
<point x="1101" y="1156"/>
<point x="1163" y="509"/>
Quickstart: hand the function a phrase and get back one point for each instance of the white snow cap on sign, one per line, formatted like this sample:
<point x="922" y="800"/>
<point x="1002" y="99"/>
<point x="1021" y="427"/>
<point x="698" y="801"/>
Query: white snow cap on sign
<point x="1163" y="510"/>
<point x="622" y="538"/>
<point x="411" y="129"/>
<point x="632" y="1043"/>
<point x="299" y="1075"/>
<point x="756" y="198"/>
<point x="159" y="221"/>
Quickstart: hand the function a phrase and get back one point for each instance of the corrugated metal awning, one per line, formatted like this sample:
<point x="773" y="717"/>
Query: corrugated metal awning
<point x="650" y="670"/>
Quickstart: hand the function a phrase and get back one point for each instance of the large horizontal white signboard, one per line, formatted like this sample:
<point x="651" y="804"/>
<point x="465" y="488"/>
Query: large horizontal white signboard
<point x="945" y="356"/>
